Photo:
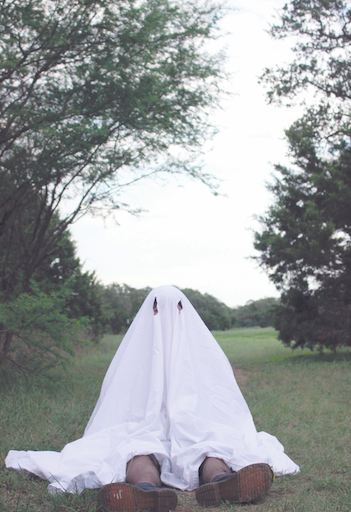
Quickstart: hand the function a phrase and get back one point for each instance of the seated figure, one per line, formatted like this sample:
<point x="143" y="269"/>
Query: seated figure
<point x="170" y="416"/>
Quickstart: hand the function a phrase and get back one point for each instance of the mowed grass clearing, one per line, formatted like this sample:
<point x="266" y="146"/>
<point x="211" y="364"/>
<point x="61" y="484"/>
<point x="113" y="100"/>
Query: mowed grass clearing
<point x="302" y="398"/>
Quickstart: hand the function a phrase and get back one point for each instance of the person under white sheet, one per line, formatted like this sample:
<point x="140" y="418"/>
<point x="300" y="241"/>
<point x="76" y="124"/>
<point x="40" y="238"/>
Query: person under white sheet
<point x="169" y="394"/>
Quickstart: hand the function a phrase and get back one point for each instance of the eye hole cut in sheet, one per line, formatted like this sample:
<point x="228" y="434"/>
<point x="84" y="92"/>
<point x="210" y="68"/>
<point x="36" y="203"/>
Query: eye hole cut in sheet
<point x="179" y="306"/>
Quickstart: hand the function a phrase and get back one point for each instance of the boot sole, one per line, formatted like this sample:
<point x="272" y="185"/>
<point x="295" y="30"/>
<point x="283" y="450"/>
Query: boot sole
<point x="248" y="484"/>
<point x="121" y="497"/>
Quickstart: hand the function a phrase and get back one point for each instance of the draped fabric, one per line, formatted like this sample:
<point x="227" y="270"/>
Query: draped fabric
<point x="170" y="391"/>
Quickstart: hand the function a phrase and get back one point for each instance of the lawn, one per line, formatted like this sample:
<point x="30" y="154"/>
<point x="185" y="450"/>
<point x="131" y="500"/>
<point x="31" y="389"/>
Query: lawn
<point x="302" y="398"/>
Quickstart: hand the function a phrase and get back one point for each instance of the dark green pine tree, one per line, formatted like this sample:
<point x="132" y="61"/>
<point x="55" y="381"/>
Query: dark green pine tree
<point x="305" y="241"/>
<point x="305" y="245"/>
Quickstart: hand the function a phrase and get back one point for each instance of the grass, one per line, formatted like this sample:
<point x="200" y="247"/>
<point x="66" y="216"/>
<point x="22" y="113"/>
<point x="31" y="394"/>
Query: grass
<point x="302" y="398"/>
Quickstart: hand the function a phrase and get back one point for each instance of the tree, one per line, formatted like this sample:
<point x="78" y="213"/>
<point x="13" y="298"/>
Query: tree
<point x="215" y="314"/>
<point x="121" y="304"/>
<point x="305" y="241"/>
<point x="305" y="246"/>
<point x="319" y="77"/>
<point x="36" y="333"/>
<point x="62" y="270"/>
<point x="40" y="328"/>
<point x="256" y="313"/>
<point x="96" y="95"/>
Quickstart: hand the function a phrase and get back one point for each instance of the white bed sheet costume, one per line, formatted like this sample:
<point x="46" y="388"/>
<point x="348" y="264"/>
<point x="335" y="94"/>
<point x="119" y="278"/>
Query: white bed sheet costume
<point x="170" y="391"/>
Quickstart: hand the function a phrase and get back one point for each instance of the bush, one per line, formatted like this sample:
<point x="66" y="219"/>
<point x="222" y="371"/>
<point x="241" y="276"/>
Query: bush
<point x="36" y="333"/>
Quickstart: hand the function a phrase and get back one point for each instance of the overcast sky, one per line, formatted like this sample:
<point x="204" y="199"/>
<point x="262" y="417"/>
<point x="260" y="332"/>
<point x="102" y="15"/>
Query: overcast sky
<point x="188" y="237"/>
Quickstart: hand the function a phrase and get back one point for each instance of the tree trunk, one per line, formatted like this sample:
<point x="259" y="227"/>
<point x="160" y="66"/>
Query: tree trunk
<point x="6" y="339"/>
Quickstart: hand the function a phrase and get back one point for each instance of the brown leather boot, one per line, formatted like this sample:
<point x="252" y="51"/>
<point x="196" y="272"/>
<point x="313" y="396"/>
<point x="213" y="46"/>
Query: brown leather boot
<point x="121" y="497"/>
<point x="247" y="485"/>
<point x="143" y="490"/>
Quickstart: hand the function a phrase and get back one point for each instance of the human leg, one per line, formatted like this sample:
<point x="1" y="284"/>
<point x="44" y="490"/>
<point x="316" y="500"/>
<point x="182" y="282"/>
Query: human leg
<point x="143" y="469"/>
<point x="211" y="468"/>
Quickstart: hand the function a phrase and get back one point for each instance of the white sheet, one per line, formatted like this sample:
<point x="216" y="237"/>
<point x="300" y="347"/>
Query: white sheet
<point x="170" y="391"/>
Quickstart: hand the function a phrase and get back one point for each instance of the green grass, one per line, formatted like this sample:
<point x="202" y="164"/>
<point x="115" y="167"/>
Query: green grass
<point x="302" y="398"/>
<point x="251" y="345"/>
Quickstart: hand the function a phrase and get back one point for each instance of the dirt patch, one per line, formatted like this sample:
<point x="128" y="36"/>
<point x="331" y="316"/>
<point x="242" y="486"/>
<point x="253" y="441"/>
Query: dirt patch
<point x="240" y="375"/>
<point x="187" y="502"/>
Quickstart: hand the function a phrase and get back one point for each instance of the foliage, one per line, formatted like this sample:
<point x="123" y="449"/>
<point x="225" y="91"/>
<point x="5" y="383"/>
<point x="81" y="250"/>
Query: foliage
<point x="305" y="241"/>
<point x="62" y="268"/>
<point x="215" y="314"/>
<point x="96" y="95"/>
<point x="320" y="74"/>
<point x="60" y="296"/>
<point x="85" y="300"/>
<point x="35" y="332"/>
<point x="256" y="313"/>
<point x="121" y="304"/>
<point x="305" y="246"/>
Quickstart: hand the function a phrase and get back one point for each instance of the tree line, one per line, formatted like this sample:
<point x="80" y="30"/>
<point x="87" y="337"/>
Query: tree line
<point x="122" y="302"/>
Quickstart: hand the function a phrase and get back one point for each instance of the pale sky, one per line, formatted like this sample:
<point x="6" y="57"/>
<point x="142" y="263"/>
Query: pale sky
<point x="188" y="237"/>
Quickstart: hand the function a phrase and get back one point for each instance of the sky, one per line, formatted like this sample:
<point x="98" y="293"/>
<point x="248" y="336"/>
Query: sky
<point x="188" y="237"/>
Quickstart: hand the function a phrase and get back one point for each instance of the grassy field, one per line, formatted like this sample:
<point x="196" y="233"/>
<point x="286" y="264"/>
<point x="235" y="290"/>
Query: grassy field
<point x="302" y="398"/>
